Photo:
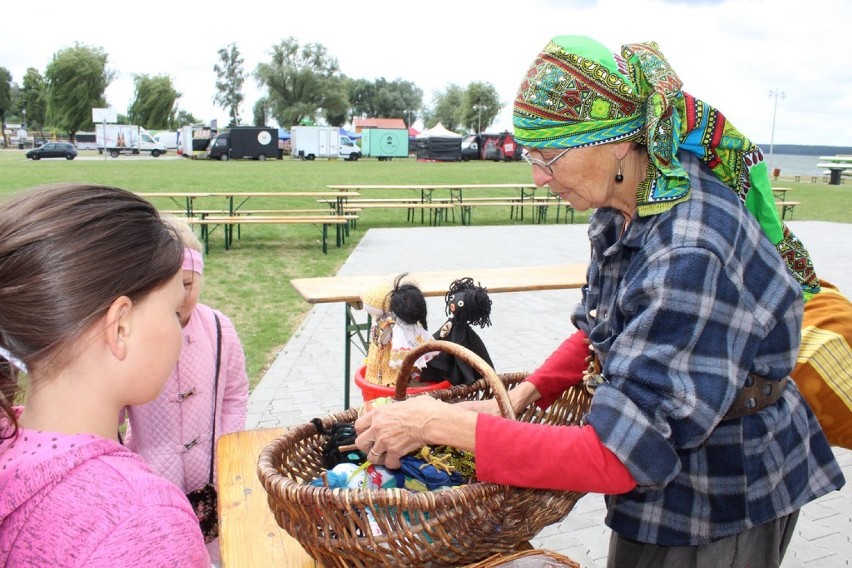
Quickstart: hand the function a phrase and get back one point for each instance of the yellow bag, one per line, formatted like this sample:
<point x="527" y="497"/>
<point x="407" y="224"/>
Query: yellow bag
<point x="823" y="370"/>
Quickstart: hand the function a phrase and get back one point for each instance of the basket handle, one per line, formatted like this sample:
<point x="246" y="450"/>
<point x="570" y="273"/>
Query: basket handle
<point x="466" y="355"/>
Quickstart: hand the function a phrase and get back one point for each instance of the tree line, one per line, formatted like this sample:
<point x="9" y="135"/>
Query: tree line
<point x="302" y="84"/>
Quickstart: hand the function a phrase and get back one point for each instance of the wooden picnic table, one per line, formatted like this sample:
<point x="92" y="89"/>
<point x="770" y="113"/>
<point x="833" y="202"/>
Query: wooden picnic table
<point x="237" y="199"/>
<point x="526" y="191"/>
<point x="780" y="193"/>
<point x="249" y="536"/>
<point x="348" y="290"/>
<point x="234" y="215"/>
<point x="184" y="199"/>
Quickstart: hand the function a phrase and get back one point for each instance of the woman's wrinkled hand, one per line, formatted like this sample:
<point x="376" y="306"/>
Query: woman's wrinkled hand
<point x="389" y="432"/>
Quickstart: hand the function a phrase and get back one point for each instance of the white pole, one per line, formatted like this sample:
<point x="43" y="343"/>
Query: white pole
<point x="776" y="94"/>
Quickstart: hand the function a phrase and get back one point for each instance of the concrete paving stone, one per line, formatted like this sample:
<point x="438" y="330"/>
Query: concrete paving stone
<point x="791" y="561"/>
<point x="824" y="527"/>
<point x="830" y="562"/>
<point x="268" y="422"/>
<point x="816" y="511"/>
<point x="839" y="543"/>
<point x="579" y="554"/>
<point x="808" y="551"/>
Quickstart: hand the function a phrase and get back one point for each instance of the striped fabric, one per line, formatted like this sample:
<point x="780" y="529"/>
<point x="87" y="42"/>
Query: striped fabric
<point x="823" y="371"/>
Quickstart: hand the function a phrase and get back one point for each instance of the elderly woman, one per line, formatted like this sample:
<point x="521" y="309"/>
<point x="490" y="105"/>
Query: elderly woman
<point x="702" y="443"/>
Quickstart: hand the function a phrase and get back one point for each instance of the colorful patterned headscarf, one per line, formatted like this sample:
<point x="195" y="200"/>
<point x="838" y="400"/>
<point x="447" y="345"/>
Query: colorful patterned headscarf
<point x="578" y="93"/>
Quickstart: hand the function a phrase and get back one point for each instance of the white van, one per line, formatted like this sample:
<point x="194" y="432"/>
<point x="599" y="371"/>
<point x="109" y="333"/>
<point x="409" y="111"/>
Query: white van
<point x="167" y="139"/>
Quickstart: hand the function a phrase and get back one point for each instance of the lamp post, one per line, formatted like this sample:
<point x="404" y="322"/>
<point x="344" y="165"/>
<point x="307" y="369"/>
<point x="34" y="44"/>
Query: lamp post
<point x="23" y="128"/>
<point x="776" y="94"/>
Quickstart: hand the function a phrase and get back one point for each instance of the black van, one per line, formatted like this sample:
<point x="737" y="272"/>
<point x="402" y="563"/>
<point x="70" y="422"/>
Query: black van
<point x="246" y="142"/>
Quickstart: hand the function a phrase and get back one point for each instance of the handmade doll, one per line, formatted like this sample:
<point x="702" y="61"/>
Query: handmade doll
<point x="377" y="303"/>
<point x="467" y="304"/>
<point x="399" y="326"/>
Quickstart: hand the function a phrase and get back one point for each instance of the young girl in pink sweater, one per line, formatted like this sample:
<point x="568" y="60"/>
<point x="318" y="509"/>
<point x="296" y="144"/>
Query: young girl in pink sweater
<point x="90" y="289"/>
<point x="174" y="432"/>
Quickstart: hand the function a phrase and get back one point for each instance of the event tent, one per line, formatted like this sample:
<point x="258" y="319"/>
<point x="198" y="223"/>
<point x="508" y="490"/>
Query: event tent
<point x="439" y="144"/>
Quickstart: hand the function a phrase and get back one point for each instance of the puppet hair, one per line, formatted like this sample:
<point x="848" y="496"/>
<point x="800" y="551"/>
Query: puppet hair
<point x="407" y="302"/>
<point x="477" y="305"/>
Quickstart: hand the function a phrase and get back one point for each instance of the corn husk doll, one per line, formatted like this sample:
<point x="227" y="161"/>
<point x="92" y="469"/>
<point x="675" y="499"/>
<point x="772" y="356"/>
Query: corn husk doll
<point x="399" y="324"/>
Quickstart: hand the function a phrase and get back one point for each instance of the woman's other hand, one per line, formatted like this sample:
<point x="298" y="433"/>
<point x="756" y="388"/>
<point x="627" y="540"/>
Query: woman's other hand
<point x="389" y="432"/>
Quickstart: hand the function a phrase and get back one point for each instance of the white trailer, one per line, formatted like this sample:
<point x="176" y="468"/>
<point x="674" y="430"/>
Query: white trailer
<point x="126" y="139"/>
<point x="193" y="140"/>
<point x="312" y="142"/>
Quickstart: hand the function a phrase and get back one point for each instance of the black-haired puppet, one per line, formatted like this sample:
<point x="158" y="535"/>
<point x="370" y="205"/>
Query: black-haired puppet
<point x="467" y="304"/>
<point x="399" y="326"/>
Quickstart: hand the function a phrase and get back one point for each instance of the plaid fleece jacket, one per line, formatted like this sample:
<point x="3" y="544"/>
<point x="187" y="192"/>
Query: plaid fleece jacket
<point x="681" y="308"/>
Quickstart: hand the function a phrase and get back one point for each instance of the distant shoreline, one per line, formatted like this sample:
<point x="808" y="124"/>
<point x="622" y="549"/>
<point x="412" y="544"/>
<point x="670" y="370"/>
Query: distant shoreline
<point x="803" y="150"/>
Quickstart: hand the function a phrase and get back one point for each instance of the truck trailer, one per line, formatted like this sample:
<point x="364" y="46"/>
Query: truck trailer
<point x="244" y="142"/>
<point x="126" y="139"/>
<point x="384" y="143"/>
<point x="312" y="142"/>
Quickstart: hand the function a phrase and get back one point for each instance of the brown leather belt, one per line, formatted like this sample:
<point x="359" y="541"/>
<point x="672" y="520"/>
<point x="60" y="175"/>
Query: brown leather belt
<point x="757" y="393"/>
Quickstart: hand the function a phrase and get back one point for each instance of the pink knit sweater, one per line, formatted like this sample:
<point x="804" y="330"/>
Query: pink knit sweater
<point x="82" y="500"/>
<point x="173" y="431"/>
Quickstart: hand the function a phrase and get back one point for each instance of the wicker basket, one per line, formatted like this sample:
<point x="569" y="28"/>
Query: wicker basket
<point x="435" y="528"/>
<point x="527" y="559"/>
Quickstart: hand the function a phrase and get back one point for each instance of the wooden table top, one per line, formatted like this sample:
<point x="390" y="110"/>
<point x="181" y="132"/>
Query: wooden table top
<point x="524" y="185"/>
<point x="191" y="194"/>
<point x="249" y="537"/>
<point x="282" y="194"/>
<point x="518" y="279"/>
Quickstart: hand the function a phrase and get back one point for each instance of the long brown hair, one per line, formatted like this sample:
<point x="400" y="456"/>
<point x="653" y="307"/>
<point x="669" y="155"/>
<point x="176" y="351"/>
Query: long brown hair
<point x="67" y="251"/>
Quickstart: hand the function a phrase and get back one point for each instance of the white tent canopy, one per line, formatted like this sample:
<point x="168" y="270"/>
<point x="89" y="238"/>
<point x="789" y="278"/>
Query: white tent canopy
<point x="438" y="131"/>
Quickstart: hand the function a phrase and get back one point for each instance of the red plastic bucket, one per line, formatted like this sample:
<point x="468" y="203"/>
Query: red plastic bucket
<point x="372" y="391"/>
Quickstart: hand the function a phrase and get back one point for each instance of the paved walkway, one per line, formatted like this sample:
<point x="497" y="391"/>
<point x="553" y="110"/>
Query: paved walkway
<point x="306" y="381"/>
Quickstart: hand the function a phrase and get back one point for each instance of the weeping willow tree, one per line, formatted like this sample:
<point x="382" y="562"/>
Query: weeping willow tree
<point x="76" y="80"/>
<point x="155" y="102"/>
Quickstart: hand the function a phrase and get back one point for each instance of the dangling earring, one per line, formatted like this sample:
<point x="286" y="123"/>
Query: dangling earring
<point x="619" y="177"/>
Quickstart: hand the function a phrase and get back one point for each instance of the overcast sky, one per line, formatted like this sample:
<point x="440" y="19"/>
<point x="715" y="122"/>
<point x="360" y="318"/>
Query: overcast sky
<point x="730" y="53"/>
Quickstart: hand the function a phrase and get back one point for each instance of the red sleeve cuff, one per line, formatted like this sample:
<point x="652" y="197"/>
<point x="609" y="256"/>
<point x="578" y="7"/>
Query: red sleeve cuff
<point x="564" y="368"/>
<point x="570" y="458"/>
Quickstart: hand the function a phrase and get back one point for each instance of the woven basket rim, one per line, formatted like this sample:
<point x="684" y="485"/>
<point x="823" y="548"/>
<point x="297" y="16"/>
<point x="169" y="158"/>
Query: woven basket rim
<point x="312" y="494"/>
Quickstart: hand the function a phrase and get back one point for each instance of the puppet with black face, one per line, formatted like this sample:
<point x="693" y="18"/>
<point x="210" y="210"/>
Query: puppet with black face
<point x="467" y="304"/>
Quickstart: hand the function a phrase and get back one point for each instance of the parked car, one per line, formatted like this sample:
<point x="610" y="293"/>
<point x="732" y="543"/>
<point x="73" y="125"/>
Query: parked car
<point x="53" y="150"/>
<point x="496" y="147"/>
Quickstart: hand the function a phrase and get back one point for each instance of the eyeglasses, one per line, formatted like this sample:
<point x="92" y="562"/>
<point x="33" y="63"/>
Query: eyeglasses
<point x="546" y="166"/>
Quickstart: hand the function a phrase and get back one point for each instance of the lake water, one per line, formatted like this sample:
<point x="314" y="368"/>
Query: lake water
<point x="793" y="164"/>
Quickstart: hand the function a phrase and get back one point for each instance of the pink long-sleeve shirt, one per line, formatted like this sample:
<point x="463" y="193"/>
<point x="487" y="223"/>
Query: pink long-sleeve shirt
<point x="81" y="500"/>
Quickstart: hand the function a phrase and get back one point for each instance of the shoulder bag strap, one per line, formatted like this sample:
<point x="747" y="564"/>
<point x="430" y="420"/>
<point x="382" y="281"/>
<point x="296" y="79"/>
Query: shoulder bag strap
<point x="215" y="391"/>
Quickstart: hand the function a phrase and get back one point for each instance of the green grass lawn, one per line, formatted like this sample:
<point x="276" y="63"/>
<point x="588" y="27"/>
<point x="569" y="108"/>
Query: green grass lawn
<point x="251" y="282"/>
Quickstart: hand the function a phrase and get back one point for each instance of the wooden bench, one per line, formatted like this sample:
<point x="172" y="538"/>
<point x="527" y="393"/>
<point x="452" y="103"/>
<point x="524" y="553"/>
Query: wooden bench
<point x="540" y="207"/>
<point x="383" y="200"/>
<point x="787" y="207"/>
<point x="436" y="210"/>
<point x="195" y="212"/>
<point x="209" y="224"/>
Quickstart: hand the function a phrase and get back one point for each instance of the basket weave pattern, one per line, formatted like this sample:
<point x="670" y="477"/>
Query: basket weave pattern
<point x="435" y="528"/>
